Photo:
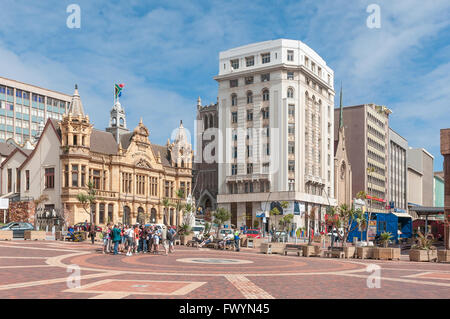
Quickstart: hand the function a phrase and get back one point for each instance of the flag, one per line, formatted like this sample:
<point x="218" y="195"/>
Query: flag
<point x="118" y="89"/>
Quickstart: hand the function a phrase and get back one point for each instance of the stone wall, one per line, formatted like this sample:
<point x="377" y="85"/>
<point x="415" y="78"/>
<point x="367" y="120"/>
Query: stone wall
<point x="21" y="212"/>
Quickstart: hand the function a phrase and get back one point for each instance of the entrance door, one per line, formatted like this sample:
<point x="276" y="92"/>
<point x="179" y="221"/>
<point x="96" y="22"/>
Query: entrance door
<point x="234" y="214"/>
<point x="248" y="214"/>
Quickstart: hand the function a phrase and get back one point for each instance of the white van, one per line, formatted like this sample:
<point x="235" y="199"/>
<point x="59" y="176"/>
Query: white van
<point x="197" y="229"/>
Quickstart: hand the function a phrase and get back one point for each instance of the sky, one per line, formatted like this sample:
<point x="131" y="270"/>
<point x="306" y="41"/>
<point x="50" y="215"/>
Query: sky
<point x="166" y="54"/>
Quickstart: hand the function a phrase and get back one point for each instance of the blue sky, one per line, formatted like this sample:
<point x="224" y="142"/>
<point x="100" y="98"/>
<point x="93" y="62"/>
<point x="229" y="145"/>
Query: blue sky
<point x="166" y="53"/>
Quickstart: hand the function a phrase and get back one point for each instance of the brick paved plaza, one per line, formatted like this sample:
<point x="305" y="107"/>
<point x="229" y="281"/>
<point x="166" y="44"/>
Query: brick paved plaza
<point x="40" y="270"/>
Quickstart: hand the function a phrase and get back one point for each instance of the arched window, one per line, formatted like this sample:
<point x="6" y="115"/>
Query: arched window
<point x="266" y="95"/>
<point x="141" y="216"/>
<point x="153" y="215"/>
<point x="290" y="93"/>
<point x="114" y="121"/>
<point x="249" y="97"/>
<point x="110" y="213"/>
<point x="122" y="122"/>
<point x="233" y="100"/>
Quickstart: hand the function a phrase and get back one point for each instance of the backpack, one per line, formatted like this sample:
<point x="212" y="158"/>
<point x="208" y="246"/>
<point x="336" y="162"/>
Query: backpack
<point x="169" y="235"/>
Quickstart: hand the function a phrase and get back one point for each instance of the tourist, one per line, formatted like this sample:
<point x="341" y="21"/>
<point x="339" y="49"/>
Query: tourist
<point x="165" y="239"/>
<point x="156" y="240"/>
<point x="129" y="233"/>
<point x="136" y="232"/>
<point x="106" y="239"/>
<point x="92" y="233"/>
<point x="236" y="239"/>
<point x="116" y="238"/>
<point x="207" y="241"/>
<point x="171" y="237"/>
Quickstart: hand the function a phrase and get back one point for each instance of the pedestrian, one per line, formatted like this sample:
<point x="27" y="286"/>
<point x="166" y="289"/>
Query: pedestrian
<point x="171" y="237"/>
<point x="106" y="239"/>
<point x="92" y="233"/>
<point x="130" y="241"/>
<point x="136" y="238"/>
<point x="236" y="239"/>
<point x="116" y="238"/>
<point x="165" y="239"/>
<point x="156" y="240"/>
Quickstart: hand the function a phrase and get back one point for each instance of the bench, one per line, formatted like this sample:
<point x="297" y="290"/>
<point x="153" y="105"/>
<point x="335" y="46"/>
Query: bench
<point x="192" y="243"/>
<point x="295" y="248"/>
<point x="177" y="242"/>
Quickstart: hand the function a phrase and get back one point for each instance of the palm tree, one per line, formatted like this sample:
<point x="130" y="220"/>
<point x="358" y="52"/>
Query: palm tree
<point x="87" y="200"/>
<point x="220" y="217"/>
<point x="165" y="202"/>
<point x="179" y="206"/>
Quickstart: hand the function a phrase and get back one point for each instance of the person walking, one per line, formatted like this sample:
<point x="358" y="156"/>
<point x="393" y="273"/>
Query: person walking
<point x="156" y="239"/>
<point x="116" y="238"/>
<point x="236" y="239"/>
<point x="171" y="237"/>
<point x="130" y="240"/>
<point x="165" y="239"/>
<point x="92" y="233"/>
<point x="106" y="239"/>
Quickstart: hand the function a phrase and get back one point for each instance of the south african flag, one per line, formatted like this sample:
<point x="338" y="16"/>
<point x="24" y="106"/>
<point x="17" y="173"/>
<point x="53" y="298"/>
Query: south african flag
<point x="118" y="89"/>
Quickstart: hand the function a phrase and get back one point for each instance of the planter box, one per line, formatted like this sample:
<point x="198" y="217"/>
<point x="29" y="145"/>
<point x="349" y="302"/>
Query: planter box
<point x="317" y="251"/>
<point x="35" y="235"/>
<point x="308" y="250"/>
<point x="349" y="252"/>
<point x="422" y="255"/>
<point x="6" y="235"/>
<point x="364" y="252"/>
<point x="253" y="243"/>
<point x="443" y="256"/>
<point x="272" y="248"/>
<point x="184" y="239"/>
<point x="386" y="253"/>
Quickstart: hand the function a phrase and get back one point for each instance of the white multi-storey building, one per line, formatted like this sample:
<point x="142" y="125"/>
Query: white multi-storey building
<point x="276" y="124"/>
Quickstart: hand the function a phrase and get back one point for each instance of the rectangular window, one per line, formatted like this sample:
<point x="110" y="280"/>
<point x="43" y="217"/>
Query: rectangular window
<point x="234" y="151"/>
<point x="249" y="80"/>
<point x="290" y="55"/>
<point x="250" y="61"/>
<point x="74" y="175"/>
<point x="234" y="117"/>
<point x="249" y="151"/>
<point x="50" y="177"/>
<point x="265" y="58"/>
<point x="291" y="128"/>
<point x="249" y="115"/>
<point x="83" y="176"/>
<point x="291" y="110"/>
<point x="265" y="113"/>
<point x="233" y="83"/>
<point x="27" y="180"/>
<point x="9" y="180"/>
<point x="233" y="169"/>
<point x="250" y="168"/>
<point x="291" y="166"/>
<point x="292" y="185"/>
<point x="266" y="168"/>
<point x="265" y="77"/>
<point x="290" y="75"/>
<point x="66" y="175"/>
<point x="235" y="64"/>
<point x="291" y="148"/>
<point x="96" y="178"/>
<point x="267" y="149"/>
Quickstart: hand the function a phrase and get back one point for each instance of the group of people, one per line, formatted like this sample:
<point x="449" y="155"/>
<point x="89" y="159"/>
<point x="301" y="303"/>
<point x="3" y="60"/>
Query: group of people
<point x="227" y="240"/>
<point x="138" y="239"/>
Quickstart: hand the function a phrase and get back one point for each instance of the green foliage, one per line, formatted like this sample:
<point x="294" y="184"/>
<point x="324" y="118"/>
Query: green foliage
<point x="221" y="215"/>
<point x="184" y="230"/>
<point x="286" y="221"/>
<point x="87" y="199"/>
<point x="385" y="237"/>
<point x="346" y="216"/>
<point x="424" y="243"/>
<point x="255" y="223"/>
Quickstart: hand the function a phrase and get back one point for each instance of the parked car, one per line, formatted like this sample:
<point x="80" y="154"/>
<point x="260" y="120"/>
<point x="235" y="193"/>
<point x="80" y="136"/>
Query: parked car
<point x="18" y="228"/>
<point x="281" y="236"/>
<point x="82" y="227"/>
<point x="253" y="233"/>
<point x="197" y="229"/>
<point x="224" y="232"/>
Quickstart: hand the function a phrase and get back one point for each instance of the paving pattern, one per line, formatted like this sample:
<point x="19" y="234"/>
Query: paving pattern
<point x="50" y="269"/>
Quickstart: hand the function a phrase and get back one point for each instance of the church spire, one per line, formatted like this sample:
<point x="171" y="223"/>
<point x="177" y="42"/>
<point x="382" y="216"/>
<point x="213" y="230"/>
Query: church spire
<point x="76" y="107"/>
<point x="341" y="112"/>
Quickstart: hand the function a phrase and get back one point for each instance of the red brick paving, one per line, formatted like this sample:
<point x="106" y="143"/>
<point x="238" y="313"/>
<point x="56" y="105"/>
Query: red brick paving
<point x="272" y="273"/>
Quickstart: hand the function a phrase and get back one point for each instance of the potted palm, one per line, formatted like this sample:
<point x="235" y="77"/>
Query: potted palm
<point x="184" y="231"/>
<point x="386" y="252"/>
<point x="424" y="249"/>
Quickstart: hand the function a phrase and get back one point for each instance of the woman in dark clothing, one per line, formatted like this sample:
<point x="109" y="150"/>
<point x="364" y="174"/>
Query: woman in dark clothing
<point x="92" y="233"/>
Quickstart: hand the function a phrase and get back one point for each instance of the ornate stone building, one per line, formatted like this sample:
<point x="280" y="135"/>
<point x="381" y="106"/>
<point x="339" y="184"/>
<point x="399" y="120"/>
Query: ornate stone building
<point x="130" y="174"/>
<point x="342" y="167"/>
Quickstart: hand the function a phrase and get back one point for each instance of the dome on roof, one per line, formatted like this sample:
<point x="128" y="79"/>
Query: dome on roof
<point x="181" y="136"/>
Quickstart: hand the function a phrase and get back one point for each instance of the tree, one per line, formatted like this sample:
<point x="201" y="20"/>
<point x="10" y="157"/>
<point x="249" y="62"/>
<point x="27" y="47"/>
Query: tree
<point x="178" y="205"/>
<point x="345" y="218"/>
<point x="275" y="212"/>
<point x="286" y="221"/>
<point x="165" y="202"/>
<point x="221" y="215"/>
<point x="87" y="200"/>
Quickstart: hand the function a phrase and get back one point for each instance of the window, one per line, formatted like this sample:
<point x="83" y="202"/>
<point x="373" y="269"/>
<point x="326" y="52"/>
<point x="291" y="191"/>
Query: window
<point x="234" y="117"/>
<point x="249" y="151"/>
<point x="101" y="217"/>
<point x="233" y="169"/>
<point x="233" y="100"/>
<point x="250" y="61"/>
<point x="234" y="151"/>
<point x="266" y="168"/>
<point x="49" y="177"/>
<point x="291" y="110"/>
<point x="306" y="61"/>
<point x="265" y="113"/>
<point x="233" y="83"/>
<point x="292" y="185"/>
<point x="9" y="180"/>
<point x="290" y="93"/>
<point x="250" y="168"/>
<point x="267" y="149"/>
<point x="83" y="176"/>
<point x="96" y="178"/>
<point x="249" y="80"/>
<point x="249" y="115"/>
<point x="291" y="166"/>
<point x="291" y="147"/>
<point x="291" y="128"/>
<point x="290" y="75"/>
<point x="265" y="77"/>
<point x="290" y="55"/>
<point x="265" y="58"/>
<point x="27" y="180"/>
<point x="235" y="64"/>
<point x="140" y="184"/>
<point x="66" y="175"/>
<point x="74" y="175"/>
<point x="266" y="95"/>
<point x="249" y="97"/>
<point x="126" y="183"/>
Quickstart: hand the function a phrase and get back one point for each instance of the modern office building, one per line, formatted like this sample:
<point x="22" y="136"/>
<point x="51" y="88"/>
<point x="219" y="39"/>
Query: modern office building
<point x="367" y="135"/>
<point x="438" y="189"/>
<point x="276" y="124"/>
<point x="23" y="107"/>
<point x="398" y="172"/>
<point x="420" y="177"/>
<point x="205" y="167"/>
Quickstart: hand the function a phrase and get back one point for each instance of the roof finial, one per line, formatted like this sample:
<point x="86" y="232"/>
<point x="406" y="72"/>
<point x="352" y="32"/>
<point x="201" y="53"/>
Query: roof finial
<point x="76" y="86"/>
<point x="341" y="111"/>
<point x="140" y="121"/>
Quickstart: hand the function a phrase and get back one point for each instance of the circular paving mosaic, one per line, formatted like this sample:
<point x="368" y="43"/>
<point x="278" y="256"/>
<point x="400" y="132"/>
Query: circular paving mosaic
<point x="220" y="261"/>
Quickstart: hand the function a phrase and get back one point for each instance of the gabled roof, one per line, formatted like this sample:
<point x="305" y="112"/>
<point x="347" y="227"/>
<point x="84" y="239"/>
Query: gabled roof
<point x="25" y="153"/>
<point x="125" y="139"/>
<point x="164" y="154"/>
<point x="6" y="149"/>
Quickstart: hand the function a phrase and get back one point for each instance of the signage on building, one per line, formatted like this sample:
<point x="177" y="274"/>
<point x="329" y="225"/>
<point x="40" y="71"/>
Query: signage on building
<point x="372" y="231"/>
<point x="4" y="203"/>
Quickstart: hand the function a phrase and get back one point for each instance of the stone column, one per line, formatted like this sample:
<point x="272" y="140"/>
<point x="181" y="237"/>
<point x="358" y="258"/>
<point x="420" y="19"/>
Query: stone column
<point x="445" y="151"/>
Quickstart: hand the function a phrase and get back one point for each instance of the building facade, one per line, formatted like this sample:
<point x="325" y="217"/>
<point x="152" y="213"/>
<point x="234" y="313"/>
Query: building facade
<point x="23" y="107"/>
<point x="130" y="177"/>
<point x="205" y="168"/>
<point x="438" y="189"/>
<point x="367" y="134"/>
<point x="275" y="101"/>
<point x="420" y="178"/>
<point x="398" y="172"/>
